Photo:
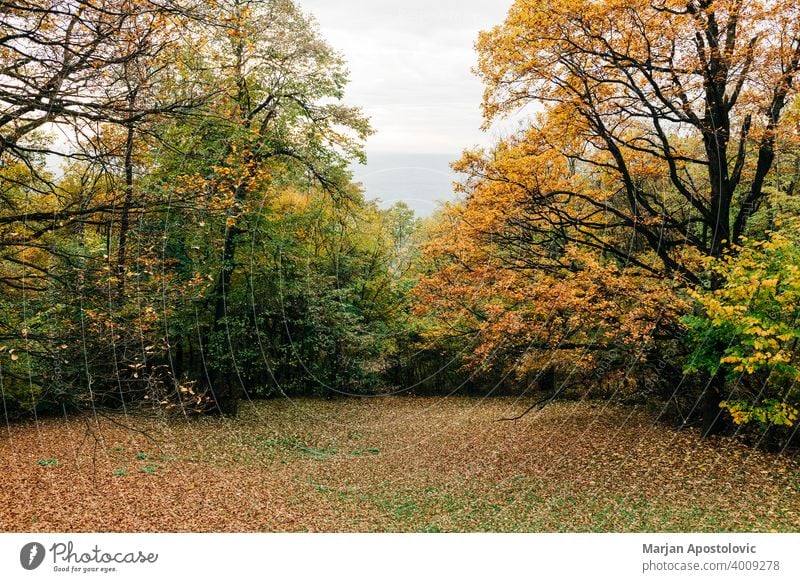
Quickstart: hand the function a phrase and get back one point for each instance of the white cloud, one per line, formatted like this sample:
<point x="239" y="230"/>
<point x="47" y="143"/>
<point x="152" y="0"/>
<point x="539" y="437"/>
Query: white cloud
<point x="410" y="65"/>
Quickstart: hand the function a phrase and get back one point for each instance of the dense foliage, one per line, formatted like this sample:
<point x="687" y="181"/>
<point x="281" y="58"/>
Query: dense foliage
<point x="179" y="225"/>
<point x="634" y="237"/>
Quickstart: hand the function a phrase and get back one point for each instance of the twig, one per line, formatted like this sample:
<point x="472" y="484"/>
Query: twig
<point x="131" y="428"/>
<point x="543" y="402"/>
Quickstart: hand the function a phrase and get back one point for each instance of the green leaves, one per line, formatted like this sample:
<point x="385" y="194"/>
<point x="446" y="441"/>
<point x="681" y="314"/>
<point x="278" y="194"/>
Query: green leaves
<point x="749" y="327"/>
<point x="768" y="412"/>
<point x="211" y="226"/>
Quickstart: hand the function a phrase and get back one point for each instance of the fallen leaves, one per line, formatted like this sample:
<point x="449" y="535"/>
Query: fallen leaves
<point x="393" y="464"/>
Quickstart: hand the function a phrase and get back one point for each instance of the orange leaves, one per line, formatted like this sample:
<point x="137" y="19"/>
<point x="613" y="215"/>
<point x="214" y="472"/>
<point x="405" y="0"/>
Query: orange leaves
<point x="519" y="263"/>
<point x="558" y="314"/>
<point x="622" y="84"/>
<point x="573" y="234"/>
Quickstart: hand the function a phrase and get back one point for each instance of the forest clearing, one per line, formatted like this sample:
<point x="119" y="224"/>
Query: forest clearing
<point x="398" y="464"/>
<point x="208" y="323"/>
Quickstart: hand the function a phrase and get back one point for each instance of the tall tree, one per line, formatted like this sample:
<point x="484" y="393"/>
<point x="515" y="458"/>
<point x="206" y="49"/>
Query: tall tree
<point x="689" y="93"/>
<point x="185" y="123"/>
<point x="657" y="128"/>
<point x="70" y="73"/>
<point x="279" y="114"/>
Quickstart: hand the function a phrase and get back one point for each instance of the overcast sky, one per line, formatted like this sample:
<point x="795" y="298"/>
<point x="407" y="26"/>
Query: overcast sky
<point x="410" y="64"/>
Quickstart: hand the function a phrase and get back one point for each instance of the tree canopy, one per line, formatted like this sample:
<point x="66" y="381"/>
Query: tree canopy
<point x="179" y="225"/>
<point x="657" y="132"/>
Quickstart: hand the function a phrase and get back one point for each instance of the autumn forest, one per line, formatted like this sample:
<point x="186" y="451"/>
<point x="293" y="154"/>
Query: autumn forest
<point x="197" y="297"/>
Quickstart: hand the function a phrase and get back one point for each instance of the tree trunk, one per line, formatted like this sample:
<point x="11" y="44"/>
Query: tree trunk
<point x="124" y="221"/>
<point x="547" y="380"/>
<point x="227" y="392"/>
<point x="712" y="414"/>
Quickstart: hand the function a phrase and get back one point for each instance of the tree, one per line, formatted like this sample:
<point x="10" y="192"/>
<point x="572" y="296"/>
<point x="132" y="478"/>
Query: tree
<point x="81" y="84"/>
<point x="73" y="78"/>
<point x="279" y="115"/>
<point x="635" y="89"/>
<point x="657" y="129"/>
<point x="519" y="318"/>
<point x="156" y="253"/>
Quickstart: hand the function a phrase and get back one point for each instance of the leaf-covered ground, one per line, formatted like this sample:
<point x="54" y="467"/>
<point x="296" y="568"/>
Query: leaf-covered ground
<point x="390" y="464"/>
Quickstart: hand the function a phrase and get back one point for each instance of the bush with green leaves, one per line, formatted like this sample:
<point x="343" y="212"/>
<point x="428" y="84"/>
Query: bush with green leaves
<point x="749" y="327"/>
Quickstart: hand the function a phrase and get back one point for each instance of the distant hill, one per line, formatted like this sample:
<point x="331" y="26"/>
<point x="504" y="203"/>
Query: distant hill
<point x="420" y="180"/>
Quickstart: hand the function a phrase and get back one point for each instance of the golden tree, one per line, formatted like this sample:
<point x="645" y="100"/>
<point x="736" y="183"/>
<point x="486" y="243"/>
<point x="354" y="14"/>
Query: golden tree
<point x="657" y="129"/>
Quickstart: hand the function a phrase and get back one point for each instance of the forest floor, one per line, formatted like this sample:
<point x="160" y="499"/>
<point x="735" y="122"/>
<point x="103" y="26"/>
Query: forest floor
<point x="390" y="464"/>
